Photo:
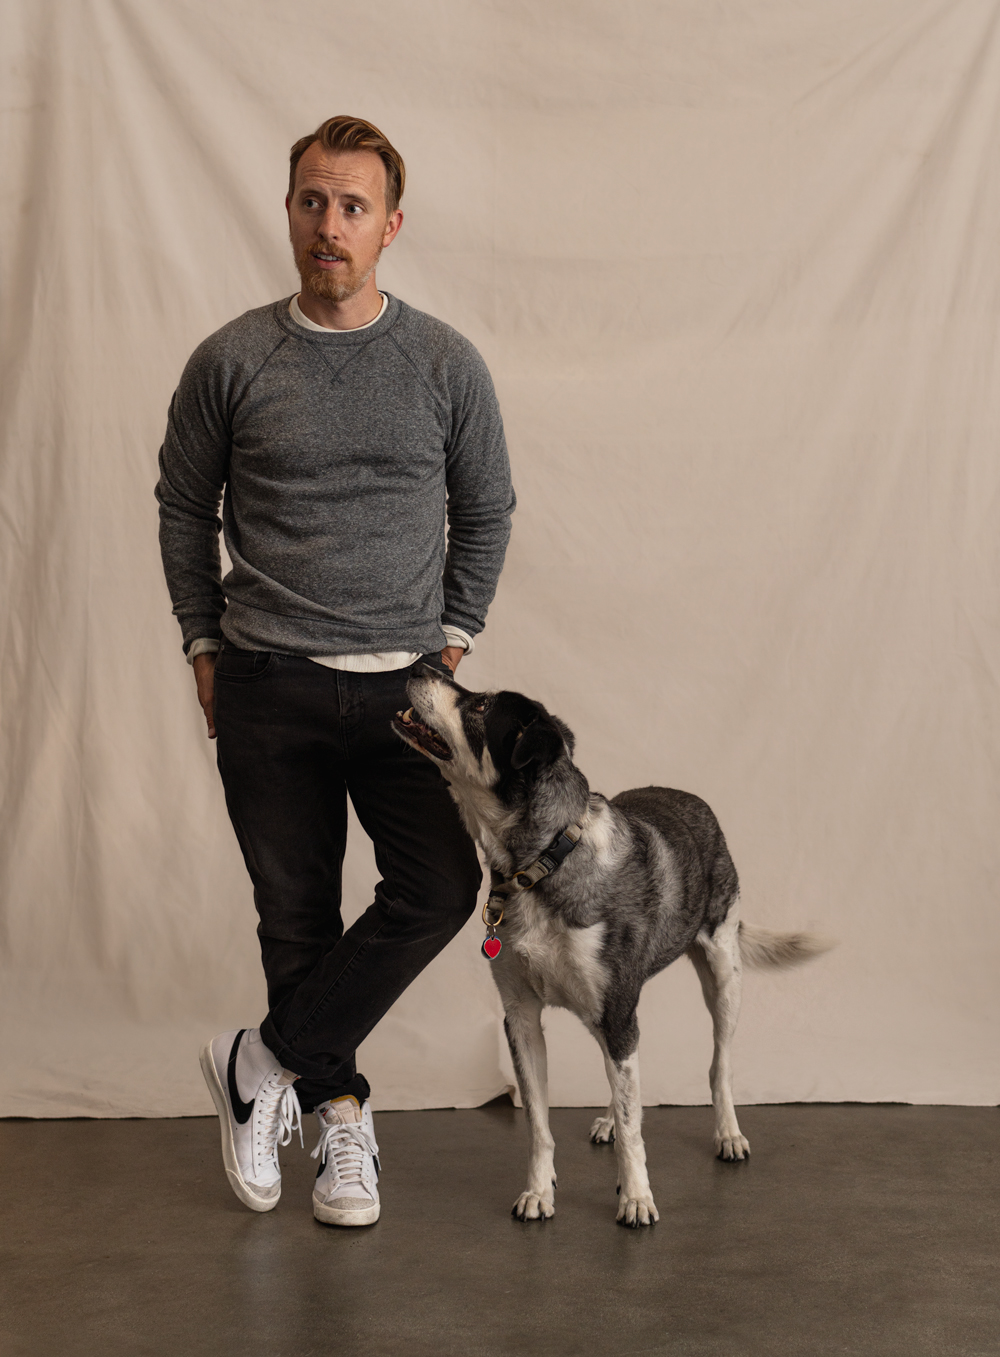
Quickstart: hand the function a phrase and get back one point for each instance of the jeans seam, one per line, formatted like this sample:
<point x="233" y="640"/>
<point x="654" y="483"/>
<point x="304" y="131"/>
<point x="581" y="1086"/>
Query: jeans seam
<point x="340" y="712"/>
<point x="355" y="706"/>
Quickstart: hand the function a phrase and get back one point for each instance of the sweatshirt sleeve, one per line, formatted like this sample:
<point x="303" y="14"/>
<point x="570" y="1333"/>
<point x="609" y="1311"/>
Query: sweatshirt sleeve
<point x="194" y="466"/>
<point x="480" y="500"/>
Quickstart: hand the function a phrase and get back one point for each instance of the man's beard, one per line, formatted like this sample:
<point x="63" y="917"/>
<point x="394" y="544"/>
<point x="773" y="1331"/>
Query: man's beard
<point x="333" y="285"/>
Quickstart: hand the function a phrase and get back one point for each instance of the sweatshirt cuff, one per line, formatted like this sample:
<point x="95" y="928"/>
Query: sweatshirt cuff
<point x="455" y="636"/>
<point x="204" y="645"/>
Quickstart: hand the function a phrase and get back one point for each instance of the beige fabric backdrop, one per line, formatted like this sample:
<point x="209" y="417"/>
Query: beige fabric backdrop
<point x="736" y="271"/>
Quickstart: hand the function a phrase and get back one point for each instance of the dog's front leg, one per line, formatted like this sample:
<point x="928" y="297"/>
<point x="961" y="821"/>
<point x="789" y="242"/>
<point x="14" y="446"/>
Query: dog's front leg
<point x="635" y="1206"/>
<point x="523" y="1026"/>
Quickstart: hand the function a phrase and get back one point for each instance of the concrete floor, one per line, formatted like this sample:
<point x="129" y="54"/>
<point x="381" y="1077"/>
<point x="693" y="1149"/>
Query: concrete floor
<point x="853" y="1230"/>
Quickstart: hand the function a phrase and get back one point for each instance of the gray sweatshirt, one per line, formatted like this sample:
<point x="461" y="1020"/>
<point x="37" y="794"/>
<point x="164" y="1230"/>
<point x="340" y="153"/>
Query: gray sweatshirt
<point x="343" y="456"/>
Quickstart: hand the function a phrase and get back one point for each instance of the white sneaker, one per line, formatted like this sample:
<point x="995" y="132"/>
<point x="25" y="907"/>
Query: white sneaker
<point x="252" y="1128"/>
<point x="346" y="1191"/>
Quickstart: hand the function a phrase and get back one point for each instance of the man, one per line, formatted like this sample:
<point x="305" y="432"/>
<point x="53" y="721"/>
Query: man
<point x="346" y="431"/>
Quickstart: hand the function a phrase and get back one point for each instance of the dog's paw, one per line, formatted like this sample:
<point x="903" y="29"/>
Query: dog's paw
<point x="603" y="1130"/>
<point x="732" y="1148"/>
<point x="529" y="1206"/>
<point x="636" y="1211"/>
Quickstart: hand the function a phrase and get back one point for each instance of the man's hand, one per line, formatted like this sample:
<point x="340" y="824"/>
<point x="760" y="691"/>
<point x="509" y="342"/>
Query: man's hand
<point x="204" y="676"/>
<point x="450" y="655"/>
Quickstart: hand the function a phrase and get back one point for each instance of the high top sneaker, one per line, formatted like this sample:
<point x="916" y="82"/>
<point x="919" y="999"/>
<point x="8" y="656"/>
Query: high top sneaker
<point x="346" y="1191"/>
<point x="258" y="1110"/>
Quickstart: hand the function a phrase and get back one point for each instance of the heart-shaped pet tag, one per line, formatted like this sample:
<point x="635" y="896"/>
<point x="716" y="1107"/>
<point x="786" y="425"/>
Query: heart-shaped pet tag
<point x="491" y="948"/>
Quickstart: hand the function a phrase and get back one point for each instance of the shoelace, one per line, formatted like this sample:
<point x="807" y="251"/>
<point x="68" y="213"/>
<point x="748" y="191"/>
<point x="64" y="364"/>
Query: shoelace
<point x="345" y="1145"/>
<point x="282" y="1115"/>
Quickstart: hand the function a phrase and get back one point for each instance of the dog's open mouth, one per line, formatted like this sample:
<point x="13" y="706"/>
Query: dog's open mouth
<point x="417" y="733"/>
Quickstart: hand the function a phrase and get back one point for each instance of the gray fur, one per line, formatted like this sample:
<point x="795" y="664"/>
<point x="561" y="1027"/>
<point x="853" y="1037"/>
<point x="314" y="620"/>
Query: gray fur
<point x="650" y="880"/>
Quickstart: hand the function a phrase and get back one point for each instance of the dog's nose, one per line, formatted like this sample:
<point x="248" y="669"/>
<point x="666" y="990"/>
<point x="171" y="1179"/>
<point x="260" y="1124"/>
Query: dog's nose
<point x="423" y="670"/>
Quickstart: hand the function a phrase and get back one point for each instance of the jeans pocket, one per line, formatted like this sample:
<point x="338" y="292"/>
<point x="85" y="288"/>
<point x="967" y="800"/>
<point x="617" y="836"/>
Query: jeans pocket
<point x="241" y="666"/>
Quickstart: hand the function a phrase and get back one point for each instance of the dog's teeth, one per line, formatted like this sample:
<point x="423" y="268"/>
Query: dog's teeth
<point x="408" y="714"/>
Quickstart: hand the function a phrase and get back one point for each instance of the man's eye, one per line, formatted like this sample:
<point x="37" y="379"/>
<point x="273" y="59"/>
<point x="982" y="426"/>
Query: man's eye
<point x="354" y="207"/>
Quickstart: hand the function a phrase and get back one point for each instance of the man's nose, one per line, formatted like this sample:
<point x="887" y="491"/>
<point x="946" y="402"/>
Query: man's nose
<point x="330" y="224"/>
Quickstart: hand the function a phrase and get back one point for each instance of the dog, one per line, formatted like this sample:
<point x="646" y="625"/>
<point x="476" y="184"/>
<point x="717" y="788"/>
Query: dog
<point x="591" y="897"/>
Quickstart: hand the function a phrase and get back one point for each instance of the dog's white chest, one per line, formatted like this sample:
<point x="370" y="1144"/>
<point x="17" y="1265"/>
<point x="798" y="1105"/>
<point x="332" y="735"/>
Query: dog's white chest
<point x="563" y="964"/>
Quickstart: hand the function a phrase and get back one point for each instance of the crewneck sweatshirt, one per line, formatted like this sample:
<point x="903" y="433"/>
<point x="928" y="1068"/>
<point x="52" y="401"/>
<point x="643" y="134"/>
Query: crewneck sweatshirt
<point x="341" y="458"/>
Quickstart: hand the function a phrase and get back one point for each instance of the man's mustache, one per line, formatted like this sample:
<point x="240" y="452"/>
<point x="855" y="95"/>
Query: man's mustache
<point x="321" y="247"/>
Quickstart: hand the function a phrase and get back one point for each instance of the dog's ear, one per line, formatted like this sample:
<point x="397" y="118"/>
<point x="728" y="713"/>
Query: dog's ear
<point x="569" y="739"/>
<point x="541" y="743"/>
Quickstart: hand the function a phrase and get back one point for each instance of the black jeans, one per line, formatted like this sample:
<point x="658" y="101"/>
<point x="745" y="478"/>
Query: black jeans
<point x="295" y="739"/>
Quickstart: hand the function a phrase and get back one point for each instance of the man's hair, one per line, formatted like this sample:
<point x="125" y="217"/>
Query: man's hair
<point x="345" y="133"/>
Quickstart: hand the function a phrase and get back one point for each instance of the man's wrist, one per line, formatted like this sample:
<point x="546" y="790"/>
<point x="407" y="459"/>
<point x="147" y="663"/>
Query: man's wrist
<point x="455" y="636"/>
<point x="204" y="645"/>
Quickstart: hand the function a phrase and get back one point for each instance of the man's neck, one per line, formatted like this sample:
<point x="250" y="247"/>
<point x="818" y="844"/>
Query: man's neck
<point x="355" y="311"/>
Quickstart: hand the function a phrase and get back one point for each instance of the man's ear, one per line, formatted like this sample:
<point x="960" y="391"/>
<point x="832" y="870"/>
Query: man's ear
<point x="541" y="743"/>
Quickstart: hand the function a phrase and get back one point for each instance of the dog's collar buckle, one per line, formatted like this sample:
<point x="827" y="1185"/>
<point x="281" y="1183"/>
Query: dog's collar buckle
<point x="546" y="862"/>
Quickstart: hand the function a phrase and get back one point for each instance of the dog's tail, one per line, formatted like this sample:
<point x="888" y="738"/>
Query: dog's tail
<point x="760" y="947"/>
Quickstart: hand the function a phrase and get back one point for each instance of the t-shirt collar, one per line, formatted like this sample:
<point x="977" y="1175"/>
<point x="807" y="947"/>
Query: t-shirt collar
<point x="300" y="318"/>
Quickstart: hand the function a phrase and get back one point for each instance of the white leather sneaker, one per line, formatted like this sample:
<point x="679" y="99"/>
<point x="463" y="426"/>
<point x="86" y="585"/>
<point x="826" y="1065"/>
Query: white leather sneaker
<point x="346" y="1191"/>
<point x="253" y="1126"/>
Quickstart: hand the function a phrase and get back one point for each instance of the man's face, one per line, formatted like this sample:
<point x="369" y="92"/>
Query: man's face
<point x="337" y="220"/>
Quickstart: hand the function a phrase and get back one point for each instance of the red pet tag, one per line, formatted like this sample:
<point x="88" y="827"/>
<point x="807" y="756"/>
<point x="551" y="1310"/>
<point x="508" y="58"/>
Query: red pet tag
<point x="491" y="943"/>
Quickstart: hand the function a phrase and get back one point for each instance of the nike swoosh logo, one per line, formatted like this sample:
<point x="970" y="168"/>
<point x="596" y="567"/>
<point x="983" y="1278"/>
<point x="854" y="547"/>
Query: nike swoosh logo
<point x="242" y="1112"/>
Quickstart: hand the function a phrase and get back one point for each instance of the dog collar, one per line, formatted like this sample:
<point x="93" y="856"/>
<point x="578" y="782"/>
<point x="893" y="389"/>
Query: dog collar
<point x="546" y="863"/>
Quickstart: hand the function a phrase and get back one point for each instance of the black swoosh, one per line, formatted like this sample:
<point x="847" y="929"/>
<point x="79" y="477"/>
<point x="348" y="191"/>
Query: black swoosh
<point x="242" y="1111"/>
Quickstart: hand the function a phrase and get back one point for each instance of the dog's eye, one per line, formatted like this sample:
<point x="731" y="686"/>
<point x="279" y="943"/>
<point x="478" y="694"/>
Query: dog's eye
<point x="480" y="707"/>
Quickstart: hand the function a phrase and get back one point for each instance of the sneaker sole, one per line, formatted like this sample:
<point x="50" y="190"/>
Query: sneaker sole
<point x="330" y="1215"/>
<point x="237" y="1182"/>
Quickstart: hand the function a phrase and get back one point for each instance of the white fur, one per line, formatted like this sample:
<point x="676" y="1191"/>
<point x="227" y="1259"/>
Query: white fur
<point x="719" y="964"/>
<point x="524" y="1030"/>
<point x="599" y="834"/>
<point x="544" y="963"/>
<point x="562" y="964"/>
<point x="470" y="779"/>
<point x="635" y="1200"/>
<point x="602" y="1130"/>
